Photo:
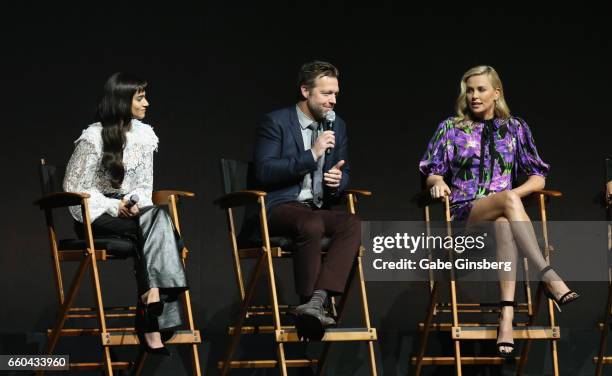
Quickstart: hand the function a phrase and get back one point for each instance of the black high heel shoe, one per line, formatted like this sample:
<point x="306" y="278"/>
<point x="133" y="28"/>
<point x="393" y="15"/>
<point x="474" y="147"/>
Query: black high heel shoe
<point x="146" y="322"/>
<point x="567" y="298"/>
<point x="503" y="354"/>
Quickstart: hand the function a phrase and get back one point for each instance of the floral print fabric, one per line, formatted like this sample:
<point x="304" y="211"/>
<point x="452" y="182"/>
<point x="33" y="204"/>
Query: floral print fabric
<point x="480" y="158"/>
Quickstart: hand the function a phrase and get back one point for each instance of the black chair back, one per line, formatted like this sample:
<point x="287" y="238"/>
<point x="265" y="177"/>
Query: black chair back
<point x="239" y="176"/>
<point x="50" y="178"/>
<point x="608" y="178"/>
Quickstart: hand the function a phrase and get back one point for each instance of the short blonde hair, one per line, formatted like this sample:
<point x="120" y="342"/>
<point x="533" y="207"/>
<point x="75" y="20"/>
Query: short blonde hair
<point x="501" y="107"/>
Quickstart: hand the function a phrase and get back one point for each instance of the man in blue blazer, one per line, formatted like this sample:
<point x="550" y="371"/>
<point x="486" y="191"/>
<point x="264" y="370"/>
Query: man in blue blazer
<point x="302" y="163"/>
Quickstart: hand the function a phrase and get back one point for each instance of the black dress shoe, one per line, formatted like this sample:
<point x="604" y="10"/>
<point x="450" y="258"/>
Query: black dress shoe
<point x="311" y="321"/>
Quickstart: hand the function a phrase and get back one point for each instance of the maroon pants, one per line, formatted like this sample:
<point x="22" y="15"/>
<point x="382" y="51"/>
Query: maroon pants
<point x="307" y="226"/>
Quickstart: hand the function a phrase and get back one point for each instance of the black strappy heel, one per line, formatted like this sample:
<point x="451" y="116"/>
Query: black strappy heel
<point x="503" y="354"/>
<point x="146" y="322"/>
<point x="567" y="298"/>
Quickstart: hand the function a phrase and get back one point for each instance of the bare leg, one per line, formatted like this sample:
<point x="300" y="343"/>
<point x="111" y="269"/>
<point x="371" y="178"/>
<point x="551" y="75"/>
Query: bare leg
<point x="508" y="204"/>
<point x="506" y="252"/>
<point x="151" y="296"/>
<point x="154" y="338"/>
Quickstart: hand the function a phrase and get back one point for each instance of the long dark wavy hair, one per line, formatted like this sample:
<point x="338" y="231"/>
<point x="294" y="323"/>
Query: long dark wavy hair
<point x="115" y="114"/>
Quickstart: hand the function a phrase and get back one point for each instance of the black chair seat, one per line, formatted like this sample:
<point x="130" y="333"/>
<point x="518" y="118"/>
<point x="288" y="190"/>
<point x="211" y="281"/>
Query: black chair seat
<point x="118" y="247"/>
<point x="286" y="244"/>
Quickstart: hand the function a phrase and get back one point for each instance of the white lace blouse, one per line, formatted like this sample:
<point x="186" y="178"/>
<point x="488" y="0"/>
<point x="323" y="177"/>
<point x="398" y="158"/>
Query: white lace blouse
<point x="84" y="172"/>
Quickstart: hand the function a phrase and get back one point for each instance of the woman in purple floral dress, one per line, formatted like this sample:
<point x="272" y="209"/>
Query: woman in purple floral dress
<point x="479" y="151"/>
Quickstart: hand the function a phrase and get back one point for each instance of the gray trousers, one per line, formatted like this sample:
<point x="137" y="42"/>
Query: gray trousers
<point x="157" y="261"/>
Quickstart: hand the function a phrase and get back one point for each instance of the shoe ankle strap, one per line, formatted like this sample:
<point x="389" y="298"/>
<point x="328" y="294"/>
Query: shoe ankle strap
<point x="545" y="270"/>
<point x="507" y="303"/>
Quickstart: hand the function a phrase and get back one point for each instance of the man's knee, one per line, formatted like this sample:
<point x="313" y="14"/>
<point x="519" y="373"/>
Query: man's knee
<point x="311" y="226"/>
<point x="353" y="222"/>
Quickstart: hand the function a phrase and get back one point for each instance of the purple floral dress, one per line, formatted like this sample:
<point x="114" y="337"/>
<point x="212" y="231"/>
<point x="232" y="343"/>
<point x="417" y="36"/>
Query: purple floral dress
<point x="455" y="152"/>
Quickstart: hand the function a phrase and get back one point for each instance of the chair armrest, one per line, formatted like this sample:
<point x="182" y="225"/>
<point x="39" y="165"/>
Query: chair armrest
<point x="162" y="197"/>
<point x="548" y="193"/>
<point x="357" y="192"/>
<point x="239" y="198"/>
<point x="534" y="197"/>
<point x="61" y="199"/>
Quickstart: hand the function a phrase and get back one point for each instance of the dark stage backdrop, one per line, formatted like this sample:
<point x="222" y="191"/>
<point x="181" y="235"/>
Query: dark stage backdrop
<point x="214" y="71"/>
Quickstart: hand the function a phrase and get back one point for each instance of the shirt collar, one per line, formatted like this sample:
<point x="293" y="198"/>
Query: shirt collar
<point x="304" y="120"/>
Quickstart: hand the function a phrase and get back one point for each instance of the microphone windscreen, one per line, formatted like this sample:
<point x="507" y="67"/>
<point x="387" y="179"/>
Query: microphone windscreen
<point x="330" y="116"/>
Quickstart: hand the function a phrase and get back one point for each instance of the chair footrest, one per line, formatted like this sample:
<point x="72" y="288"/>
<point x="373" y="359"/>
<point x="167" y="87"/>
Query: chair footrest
<point x="90" y="366"/>
<point x="258" y="329"/>
<point x="465" y="360"/>
<point x="331" y="335"/>
<point x="478" y="308"/>
<point x="253" y="311"/>
<point x="87" y="331"/>
<point x="605" y="359"/>
<point x="490" y="332"/>
<point x="131" y="338"/>
<point x="78" y="255"/>
<point x="269" y="363"/>
<point x="447" y="326"/>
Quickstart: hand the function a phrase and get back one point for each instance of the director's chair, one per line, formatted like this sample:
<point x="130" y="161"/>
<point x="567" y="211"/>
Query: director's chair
<point x="467" y="331"/>
<point x="236" y="179"/>
<point x="88" y="252"/>
<point x="604" y="326"/>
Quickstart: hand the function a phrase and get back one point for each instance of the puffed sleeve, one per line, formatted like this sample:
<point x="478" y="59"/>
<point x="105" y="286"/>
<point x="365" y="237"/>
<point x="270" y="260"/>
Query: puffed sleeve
<point x="436" y="159"/>
<point x="528" y="161"/>
<point x="81" y="176"/>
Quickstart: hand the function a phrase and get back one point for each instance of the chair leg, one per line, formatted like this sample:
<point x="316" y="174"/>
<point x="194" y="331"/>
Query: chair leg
<point x="62" y="316"/>
<point x="243" y="311"/>
<point x="366" y="315"/>
<point x="140" y="363"/>
<point x="553" y="343"/>
<point x="282" y="362"/>
<point x="457" y="343"/>
<point x="339" y="315"/>
<point x="195" y="358"/>
<point x="527" y="346"/>
<point x="603" y="340"/>
<point x="428" y="320"/>
<point x="95" y="280"/>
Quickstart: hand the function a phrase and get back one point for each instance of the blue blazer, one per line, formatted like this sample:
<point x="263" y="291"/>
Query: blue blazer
<point x="281" y="161"/>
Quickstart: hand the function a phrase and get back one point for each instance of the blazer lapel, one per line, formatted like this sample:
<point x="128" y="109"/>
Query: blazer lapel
<point x="294" y="124"/>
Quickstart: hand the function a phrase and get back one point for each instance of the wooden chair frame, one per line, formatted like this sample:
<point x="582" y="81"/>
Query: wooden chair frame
<point x="604" y="326"/>
<point x="88" y="260"/>
<point x="485" y="331"/>
<point x="285" y="333"/>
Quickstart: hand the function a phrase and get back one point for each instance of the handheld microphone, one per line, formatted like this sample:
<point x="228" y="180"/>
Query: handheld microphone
<point x="328" y="125"/>
<point x="133" y="201"/>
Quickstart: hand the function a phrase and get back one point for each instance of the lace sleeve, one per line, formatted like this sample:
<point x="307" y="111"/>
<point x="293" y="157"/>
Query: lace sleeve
<point x="143" y="180"/>
<point x="81" y="177"/>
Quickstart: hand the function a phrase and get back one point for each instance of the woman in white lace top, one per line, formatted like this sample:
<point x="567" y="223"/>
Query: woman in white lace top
<point x="113" y="163"/>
